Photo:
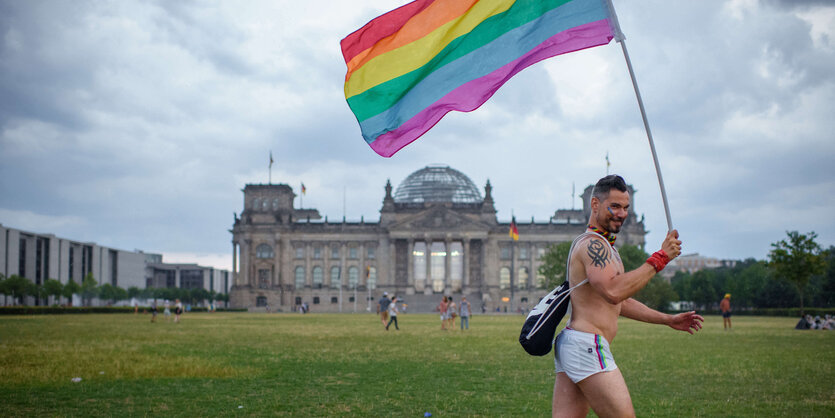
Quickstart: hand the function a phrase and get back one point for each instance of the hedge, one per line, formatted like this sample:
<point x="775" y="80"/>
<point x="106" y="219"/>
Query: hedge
<point x="791" y="312"/>
<point x="53" y="310"/>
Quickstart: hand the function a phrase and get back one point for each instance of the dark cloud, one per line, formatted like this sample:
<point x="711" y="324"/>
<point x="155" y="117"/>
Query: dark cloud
<point x="136" y="124"/>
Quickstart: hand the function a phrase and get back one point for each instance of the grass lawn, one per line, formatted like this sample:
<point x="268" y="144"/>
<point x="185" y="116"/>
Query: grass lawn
<point x="226" y="364"/>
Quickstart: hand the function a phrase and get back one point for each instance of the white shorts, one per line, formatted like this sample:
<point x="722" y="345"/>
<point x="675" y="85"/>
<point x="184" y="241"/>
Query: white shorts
<point x="581" y="354"/>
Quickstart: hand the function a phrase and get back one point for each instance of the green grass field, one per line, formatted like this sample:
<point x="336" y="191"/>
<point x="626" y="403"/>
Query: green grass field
<point x="226" y="364"/>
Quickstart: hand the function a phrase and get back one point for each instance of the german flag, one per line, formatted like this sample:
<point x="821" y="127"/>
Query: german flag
<point x="514" y="232"/>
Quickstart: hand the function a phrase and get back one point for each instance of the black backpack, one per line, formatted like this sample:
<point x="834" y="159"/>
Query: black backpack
<point x="542" y="321"/>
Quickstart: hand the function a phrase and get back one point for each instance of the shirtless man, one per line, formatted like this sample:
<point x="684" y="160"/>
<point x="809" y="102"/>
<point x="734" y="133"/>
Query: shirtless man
<point x="587" y="375"/>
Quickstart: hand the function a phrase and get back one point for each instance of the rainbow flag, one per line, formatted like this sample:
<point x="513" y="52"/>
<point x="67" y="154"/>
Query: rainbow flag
<point x="411" y="66"/>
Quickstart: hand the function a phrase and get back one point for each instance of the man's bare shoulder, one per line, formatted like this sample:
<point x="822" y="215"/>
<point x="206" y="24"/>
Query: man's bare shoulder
<point x="593" y="251"/>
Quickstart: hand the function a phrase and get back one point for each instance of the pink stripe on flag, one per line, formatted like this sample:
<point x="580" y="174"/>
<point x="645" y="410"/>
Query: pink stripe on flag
<point x="473" y="94"/>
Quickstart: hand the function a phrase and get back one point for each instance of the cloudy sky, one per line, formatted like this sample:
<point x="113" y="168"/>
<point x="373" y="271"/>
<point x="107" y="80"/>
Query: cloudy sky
<point x="135" y="124"/>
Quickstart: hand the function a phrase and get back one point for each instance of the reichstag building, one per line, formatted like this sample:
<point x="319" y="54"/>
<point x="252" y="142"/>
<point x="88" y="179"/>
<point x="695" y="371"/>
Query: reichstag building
<point x="436" y="235"/>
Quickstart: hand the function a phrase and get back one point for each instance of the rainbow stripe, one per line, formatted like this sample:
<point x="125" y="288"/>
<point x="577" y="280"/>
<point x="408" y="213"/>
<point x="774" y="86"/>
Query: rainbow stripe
<point x="411" y="66"/>
<point x="600" y="356"/>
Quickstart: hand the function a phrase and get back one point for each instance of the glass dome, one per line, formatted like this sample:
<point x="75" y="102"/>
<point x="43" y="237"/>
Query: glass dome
<point x="437" y="184"/>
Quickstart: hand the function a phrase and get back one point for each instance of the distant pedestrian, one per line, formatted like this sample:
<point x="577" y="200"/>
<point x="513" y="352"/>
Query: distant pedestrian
<point x="392" y="308"/>
<point x="725" y="307"/>
<point x="452" y="313"/>
<point x="443" y="309"/>
<point x="136" y="308"/>
<point x="167" y="311"/>
<point x="383" y="308"/>
<point x="178" y="310"/>
<point x="465" y="313"/>
<point x="154" y="311"/>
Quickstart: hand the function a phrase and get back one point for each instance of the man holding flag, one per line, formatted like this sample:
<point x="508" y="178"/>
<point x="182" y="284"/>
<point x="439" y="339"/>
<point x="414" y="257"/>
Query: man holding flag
<point x="587" y="375"/>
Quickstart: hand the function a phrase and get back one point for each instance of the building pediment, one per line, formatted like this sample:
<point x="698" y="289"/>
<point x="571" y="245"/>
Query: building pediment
<point x="439" y="218"/>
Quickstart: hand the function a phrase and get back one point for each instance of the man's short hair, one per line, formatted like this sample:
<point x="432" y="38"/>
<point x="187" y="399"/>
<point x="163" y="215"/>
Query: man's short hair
<point x="606" y="184"/>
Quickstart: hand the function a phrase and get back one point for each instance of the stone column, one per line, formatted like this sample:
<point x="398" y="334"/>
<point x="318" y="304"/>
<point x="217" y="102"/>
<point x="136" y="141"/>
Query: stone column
<point x="448" y="266"/>
<point x="430" y="281"/>
<point x="235" y="263"/>
<point x="465" y="281"/>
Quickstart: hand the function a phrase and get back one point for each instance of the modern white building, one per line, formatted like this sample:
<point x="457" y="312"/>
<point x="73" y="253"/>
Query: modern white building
<point x="39" y="257"/>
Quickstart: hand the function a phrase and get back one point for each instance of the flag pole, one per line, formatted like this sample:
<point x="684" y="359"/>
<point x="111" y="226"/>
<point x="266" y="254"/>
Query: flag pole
<point x="621" y="39"/>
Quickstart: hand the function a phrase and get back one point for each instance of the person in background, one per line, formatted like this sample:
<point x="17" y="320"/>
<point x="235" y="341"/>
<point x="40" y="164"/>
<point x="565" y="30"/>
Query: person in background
<point x="392" y="308"/>
<point x="443" y="307"/>
<point x="383" y="308"/>
<point x="725" y="307"/>
<point x="465" y="313"/>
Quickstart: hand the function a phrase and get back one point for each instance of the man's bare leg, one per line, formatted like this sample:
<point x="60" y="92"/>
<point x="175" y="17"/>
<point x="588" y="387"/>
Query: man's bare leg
<point x="607" y="394"/>
<point x="568" y="400"/>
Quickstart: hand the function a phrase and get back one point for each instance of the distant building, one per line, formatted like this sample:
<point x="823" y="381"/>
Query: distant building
<point x="436" y="236"/>
<point x="692" y="263"/>
<point x="186" y="276"/>
<point x="39" y="257"/>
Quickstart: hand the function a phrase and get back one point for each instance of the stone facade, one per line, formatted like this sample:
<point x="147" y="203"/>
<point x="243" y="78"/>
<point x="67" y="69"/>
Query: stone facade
<point x="435" y="236"/>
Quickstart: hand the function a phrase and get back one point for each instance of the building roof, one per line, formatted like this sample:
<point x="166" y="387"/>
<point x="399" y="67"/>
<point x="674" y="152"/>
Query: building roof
<point x="437" y="184"/>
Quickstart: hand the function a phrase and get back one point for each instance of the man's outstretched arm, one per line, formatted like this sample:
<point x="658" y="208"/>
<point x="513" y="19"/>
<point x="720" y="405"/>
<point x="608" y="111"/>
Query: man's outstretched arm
<point x="685" y="321"/>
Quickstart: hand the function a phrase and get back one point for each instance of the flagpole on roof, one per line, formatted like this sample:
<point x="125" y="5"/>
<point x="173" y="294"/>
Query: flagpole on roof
<point x="622" y="40"/>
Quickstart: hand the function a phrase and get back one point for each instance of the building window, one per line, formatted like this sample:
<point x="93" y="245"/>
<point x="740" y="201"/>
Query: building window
<point x="298" y="300"/>
<point x="371" y="280"/>
<point x="437" y="265"/>
<point x="419" y="260"/>
<point x="275" y="204"/>
<point x="540" y="280"/>
<point x="334" y="251"/>
<point x="351" y="299"/>
<point x="255" y="204"/>
<point x="372" y="253"/>
<point x="318" y="277"/>
<point x="505" y="252"/>
<point x="335" y="279"/>
<point x="317" y="252"/>
<point x="540" y="252"/>
<point x="191" y="279"/>
<point x="523" y="253"/>
<point x="263" y="278"/>
<point x="353" y="253"/>
<point x="261" y="301"/>
<point x="264" y="251"/>
<point x="353" y="277"/>
<point x="299" y="252"/>
<point x="334" y="299"/>
<point x="316" y="300"/>
<point x="524" y="300"/>
<point x="456" y="261"/>
<point x="504" y="278"/>
<point x="522" y="283"/>
<point x="299" y="277"/>
<point x="265" y="205"/>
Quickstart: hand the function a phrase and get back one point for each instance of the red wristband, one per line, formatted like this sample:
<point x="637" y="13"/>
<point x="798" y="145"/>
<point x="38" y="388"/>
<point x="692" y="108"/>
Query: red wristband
<point x="658" y="260"/>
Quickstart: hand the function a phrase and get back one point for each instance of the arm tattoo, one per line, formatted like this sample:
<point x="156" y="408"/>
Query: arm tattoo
<point x="599" y="253"/>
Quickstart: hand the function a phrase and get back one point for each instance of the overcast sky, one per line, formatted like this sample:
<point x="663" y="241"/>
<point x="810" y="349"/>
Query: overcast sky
<point x="135" y="124"/>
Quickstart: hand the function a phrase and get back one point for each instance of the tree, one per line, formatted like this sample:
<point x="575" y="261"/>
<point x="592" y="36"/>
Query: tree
<point x="797" y="259"/>
<point x="18" y="287"/>
<point x="70" y="289"/>
<point x="134" y="292"/>
<point x="632" y="257"/>
<point x="54" y="288"/>
<point x="89" y="289"/>
<point x="657" y="294"/>
<point x="553" y="264"/>
<point x="112" y="293"/>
